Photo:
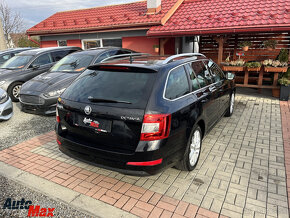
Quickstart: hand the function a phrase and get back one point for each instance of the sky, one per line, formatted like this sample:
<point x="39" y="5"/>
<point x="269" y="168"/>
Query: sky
<point x="34" y="11"/>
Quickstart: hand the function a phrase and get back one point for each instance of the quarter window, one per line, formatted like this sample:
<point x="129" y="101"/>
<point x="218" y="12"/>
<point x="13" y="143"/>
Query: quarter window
<point x="177" y="84"/>
<point x="202" y="74"/>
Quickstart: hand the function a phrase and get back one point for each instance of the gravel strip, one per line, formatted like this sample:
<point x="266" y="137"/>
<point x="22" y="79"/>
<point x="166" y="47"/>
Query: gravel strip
<point x="23" y="126"/>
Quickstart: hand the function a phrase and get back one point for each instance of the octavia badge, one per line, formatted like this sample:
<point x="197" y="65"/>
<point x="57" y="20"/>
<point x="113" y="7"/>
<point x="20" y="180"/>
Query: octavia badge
<point x="88" y="110"/>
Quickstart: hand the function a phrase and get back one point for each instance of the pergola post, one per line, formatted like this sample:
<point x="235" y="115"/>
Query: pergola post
<point x="221" y="41"/>
<point x="162" y="44"/>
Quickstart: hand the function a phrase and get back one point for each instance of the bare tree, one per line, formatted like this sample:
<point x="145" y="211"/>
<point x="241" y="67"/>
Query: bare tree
<point x="12" y="21"/>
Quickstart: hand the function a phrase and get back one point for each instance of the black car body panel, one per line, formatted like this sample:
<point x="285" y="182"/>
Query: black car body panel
<point x="50" y="81"/>
<point x="33" y="66"/>
<point x="123" y="143"/>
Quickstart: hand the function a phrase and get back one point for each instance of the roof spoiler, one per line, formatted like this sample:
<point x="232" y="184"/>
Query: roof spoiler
<point x="131" y="55"/>
<point x="122" y="68"/>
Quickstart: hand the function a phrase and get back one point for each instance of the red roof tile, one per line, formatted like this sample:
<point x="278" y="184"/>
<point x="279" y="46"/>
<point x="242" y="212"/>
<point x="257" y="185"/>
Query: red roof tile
<point x="114" y="16"/>
<point x="221" y="16"/>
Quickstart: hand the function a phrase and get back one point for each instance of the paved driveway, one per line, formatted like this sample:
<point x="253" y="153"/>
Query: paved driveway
<point x="241" y="172"/>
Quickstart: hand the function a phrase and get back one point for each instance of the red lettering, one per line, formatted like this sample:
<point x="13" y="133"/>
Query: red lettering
<point x="50" y="211"/>
<point x="93" y="124"/>
<point x="42" y="212"/>
<point x="33" y="211"/>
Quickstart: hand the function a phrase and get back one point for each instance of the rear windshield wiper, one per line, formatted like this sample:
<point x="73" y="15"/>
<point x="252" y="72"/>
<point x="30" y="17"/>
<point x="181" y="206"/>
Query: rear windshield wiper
<point x="107" y="100"/>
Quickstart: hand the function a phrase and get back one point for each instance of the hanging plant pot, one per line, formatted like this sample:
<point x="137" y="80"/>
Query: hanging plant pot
<point x="276" y="69"/>
<point x="270" y="49"/>
<point x="233" y="68"/>
<point x="245" y="48"/>
<point x="156" y="48"/>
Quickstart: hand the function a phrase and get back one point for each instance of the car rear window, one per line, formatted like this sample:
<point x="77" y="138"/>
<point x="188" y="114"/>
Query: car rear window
<point x="130" y="87"/>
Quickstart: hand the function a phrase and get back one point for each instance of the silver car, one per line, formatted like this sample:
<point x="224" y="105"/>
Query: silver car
<point x="6" y="107"/>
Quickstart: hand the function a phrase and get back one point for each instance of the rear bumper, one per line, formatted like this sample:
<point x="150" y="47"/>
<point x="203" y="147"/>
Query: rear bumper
<point x="6" y="110"/>
<point x="112" y="160"/>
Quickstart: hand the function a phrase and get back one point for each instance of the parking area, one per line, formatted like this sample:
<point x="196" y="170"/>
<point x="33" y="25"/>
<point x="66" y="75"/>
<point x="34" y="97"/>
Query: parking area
<point x="242" y="170"/>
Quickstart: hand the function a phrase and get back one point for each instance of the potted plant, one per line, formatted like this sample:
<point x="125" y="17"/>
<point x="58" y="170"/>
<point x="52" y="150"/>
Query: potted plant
<point x="285" y="88"/>
<point x="156" y="48"/>
<point x="275" y="66"/>
<point x="283" y="56"/>
<point x="245" y="45"/>
<point x="253" y="66"/>
<point x="236" y="66"/>
<point x="270" y="44"/>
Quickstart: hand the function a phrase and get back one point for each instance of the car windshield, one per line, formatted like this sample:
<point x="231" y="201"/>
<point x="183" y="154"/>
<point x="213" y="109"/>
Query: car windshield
<point x="17" y="62"/>
<point x="122" y="89"/>
<point x="73" y="63"/>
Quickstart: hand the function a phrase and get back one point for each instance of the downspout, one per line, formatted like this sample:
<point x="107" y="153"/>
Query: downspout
<point x="29" y="38"/>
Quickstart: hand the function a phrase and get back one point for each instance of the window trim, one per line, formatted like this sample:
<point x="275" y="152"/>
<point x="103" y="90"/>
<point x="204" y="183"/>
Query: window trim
<point x="193" y="92"/>
<point x="186" y="75"/>
<point x="99" y="39"/>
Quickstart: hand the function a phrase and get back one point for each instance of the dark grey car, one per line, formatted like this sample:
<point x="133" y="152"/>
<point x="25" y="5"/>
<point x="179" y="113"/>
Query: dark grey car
<point x="28" y="64"/>
<point x="9" y="53"/>
<point x="39" y="95"/>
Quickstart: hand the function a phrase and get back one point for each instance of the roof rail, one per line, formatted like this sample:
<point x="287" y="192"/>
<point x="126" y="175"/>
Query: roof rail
<point x="125" y="55"/>
<point x="171" y="58"/>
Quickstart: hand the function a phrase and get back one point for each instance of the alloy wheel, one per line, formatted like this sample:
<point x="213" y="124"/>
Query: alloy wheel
<point x="16" y="91"/>
<point x="195" y="147"/>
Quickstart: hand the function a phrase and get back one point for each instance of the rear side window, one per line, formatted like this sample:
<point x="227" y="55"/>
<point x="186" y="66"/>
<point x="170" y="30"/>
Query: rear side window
<point x="42" y="60"/>
<point x="202" y="73"/>
<point x="216" y="72"/>
<point x="193" y="79"/>
<point x="177" y="84"/>
<point x="133" y="88"/>
<point x="102" y="57"/>
<point x="57" y="55"/>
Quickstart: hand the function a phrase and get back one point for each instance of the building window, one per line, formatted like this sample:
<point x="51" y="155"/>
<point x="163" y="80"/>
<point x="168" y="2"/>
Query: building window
<point x="61" y="43"/>
<point x="94" y="43"/>
<point x="112" y="42"/>
<point x="97" y="43"/>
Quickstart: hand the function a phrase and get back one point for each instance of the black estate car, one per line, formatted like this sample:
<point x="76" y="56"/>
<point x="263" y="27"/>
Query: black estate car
<point x="9" y="53"/>
<point x="28" y="64"/>
<point x="141" y="115"/>
<point x="40" y="94"/>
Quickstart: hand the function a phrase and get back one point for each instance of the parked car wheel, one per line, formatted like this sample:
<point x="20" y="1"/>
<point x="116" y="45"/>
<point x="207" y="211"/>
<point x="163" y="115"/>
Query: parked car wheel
<point x="231" y="107"/>
<point x="14" y="90"/>
<point x="192" y="152"/>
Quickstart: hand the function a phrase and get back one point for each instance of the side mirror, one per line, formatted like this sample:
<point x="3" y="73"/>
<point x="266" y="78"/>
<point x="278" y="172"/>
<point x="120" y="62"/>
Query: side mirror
<point x="230" y="76"/>
<point x="35" y="67"/>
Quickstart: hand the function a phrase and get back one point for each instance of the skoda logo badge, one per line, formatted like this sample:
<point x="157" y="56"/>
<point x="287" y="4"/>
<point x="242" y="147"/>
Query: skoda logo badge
<point x="88" y="110"/>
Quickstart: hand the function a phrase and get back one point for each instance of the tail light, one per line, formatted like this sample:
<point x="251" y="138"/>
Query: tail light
<point x="57" y="116"/>
<point x="155" y="127"/>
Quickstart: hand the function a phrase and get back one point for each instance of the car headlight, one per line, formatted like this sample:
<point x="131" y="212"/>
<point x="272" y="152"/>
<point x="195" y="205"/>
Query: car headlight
<point x="3" y="98"/>
<point x="54" y="93"/>
<point x="2" y="82"/>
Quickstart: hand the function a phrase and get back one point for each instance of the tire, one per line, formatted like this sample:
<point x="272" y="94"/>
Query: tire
<point x="192" y="152"/>
<point x="14" y="90"/>
<point x="231" y="107"/>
